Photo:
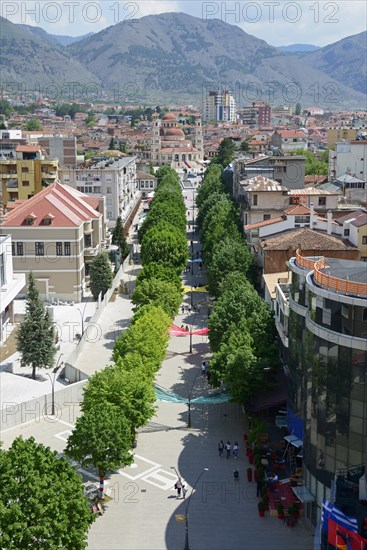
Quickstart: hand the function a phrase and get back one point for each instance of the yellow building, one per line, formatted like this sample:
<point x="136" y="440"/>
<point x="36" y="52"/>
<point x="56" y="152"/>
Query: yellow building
<point x="339" y="134"/>
<point x="27" y="174"/>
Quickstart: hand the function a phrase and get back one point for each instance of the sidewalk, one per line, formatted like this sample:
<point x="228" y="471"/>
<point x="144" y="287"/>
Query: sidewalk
<point x="222" y="514"/>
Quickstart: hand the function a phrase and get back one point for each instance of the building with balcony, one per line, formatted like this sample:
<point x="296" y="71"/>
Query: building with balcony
<point x="113" y="178"/>
<point x="27" y="174"/>
<point x="56" y="234"/>
<point x="289" y="140"/>
<point x="146" y="183"/>
<point x="9" y="140"/>
<point x="11" y="285"/>
<point x="257" y="114"/>
<point x="289" y="171"/>
<point x="261" y="199"/>
<point x="326" y="334"/>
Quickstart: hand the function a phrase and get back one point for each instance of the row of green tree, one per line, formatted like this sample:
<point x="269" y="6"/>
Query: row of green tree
<point x="117" y="400"/>
<point x="120" y="399"/>
<point x="164" y="250"/>
<point x="241" y="326"/>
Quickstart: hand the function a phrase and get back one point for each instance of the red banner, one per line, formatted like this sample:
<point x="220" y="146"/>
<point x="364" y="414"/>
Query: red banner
<point x="201" y="331"/>
<point x="343" y="539"/>
<point x="175" y="330"/>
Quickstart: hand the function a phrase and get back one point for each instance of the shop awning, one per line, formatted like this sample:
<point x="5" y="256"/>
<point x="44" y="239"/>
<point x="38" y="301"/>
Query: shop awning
<point x="303" y="494"/>
<point x="294" y="440"/>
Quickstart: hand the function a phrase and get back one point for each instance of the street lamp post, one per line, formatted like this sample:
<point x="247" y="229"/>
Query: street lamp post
<point x="177" y="474"/>
<point x="189" y="394"/>
<point x="52" y="380"/>
<point x="187" y="506"/>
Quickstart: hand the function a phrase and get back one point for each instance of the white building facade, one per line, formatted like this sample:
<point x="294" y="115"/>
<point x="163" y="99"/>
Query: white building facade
<point x="10" y="285"/>
<point x="113" y="178"/>
<point x="349" y="157"/>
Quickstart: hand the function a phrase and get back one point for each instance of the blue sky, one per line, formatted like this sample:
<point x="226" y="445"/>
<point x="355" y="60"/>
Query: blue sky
<point x="278" y="22"/>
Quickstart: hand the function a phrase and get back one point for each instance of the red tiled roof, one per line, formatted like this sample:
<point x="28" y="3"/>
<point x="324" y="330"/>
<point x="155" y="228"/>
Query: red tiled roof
<point x="179" y="150"/>
<point x="291" y="134"/>
<point x="28" y="148"/>
<point x="264" y="223"/>
<point x="309" y="240"/>
<point x="69" y="207"/>
<point x="298" y="210"/>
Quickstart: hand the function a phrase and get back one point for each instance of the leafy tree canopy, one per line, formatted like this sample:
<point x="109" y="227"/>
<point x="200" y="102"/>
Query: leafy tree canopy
<point x="228" y="256"/>
<point x="164" y="211"/>
<point x="158" y="292"/>
<point x="101" y="438"/>
<point x="160" y="272"/>
<point x="212" y="184"/>
<point x="147" y="337"/>
<point x="238" y="300"/>
<point x="315" y="165"/>
<point x="42" y="503"/>
<point x="164" y="171"/>
<point x="33" y="125"/>
<point x="130" y="390"/>
<point x="165" y="245"/>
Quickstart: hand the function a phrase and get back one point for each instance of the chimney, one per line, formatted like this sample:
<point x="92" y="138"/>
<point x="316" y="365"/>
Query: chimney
<point x="329" y="222"/>
<point x="312" y="216"/>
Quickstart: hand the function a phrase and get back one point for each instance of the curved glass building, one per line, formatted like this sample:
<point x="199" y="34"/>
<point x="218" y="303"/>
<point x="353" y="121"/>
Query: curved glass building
<point x="327" y="364"/>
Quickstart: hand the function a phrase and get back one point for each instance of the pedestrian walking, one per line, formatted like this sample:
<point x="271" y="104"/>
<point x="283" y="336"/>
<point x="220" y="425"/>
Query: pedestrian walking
<point x="235" y="449"/>
<point x="220" y="448"/>
<point x="178" y="487"/>
<point x="184" y="490"/>
<point x="228" y="449"/>
<point x="203" y="368"/>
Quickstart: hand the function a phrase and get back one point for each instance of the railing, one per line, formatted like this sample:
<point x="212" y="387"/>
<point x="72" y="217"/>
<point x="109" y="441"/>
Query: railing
<point x="341" y="286"/>
<point x="305" y="263"/>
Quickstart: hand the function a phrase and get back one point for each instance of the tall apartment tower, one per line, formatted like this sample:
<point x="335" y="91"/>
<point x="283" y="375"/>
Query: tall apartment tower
<point x="220" y="106"/>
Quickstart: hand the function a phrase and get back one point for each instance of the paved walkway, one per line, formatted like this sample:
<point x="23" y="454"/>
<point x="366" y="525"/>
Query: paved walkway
<point x="222" y="513"/>
<point x="141" y="515"/>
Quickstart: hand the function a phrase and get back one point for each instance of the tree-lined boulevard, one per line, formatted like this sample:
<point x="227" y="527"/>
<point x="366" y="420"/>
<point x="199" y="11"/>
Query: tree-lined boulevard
<point x="119" y="399"/>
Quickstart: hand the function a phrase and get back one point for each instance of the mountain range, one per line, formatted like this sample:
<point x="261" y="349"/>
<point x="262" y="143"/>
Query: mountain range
<point x="174" y="57"/>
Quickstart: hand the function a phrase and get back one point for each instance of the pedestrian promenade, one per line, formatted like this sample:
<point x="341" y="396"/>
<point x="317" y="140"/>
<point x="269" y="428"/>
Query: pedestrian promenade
<point x="222" y="513"/>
